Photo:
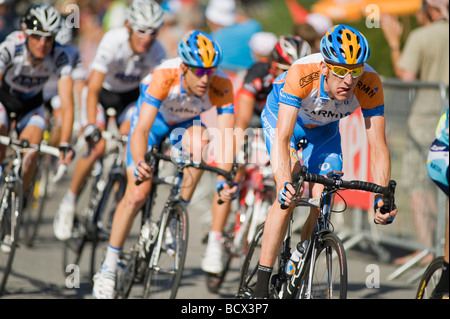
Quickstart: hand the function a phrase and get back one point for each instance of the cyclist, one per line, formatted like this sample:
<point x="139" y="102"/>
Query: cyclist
<point x="172" y="99"/>
<point x="27" y="59"/>
<point x="50" y="92"/>
<point x="305" y="105"/>
<point x="260" y="76"/>
<point x="437" y="167"/>
<point x="124" y="56"/>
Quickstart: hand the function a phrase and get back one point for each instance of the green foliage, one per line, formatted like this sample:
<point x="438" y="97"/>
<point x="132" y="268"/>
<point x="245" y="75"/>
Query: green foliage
<point x="275" y="17"/>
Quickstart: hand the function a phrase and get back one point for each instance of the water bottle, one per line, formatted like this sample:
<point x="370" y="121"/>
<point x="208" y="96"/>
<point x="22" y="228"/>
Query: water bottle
<point x="295" y="257"/>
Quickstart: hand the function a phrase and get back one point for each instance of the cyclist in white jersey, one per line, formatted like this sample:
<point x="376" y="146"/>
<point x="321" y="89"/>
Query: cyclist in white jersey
<point x="52" y="100"/>
<point x="27" y="60"/>
<point x="124" y="56"/>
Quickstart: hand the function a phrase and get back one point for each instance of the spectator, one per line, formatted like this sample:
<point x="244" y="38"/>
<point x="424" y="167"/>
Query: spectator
<point x="261" y="45"/>
<point x="233" y="32"/>
<point x="425" y="57"/>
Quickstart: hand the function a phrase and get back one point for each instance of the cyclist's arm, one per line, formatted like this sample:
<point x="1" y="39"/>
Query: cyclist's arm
<point x="139" y="138"/>
<point x="380" y="163"/>
<point x="225" y="153"/>
<point x="94" y="87"/>
<point x="280" y="158"/>
<point x="246" y="105"/>
<point x="65" y="92"/>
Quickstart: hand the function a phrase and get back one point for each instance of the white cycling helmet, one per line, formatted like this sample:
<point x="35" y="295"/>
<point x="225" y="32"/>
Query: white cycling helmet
<point x="145" y="14"/>
<point x="64" y="35"/>
<point x="41" y="18"/>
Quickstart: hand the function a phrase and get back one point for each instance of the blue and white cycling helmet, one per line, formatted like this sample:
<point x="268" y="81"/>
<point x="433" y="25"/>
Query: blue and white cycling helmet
<point x="345" y="45"/>
<point x="199" y="49"/>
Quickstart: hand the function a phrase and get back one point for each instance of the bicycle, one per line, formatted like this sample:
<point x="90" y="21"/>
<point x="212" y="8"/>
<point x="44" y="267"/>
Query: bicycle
<point x="93" y="224"/>
<point x="12" y="199"/>
<point x="430" y="278"/>
<point x="158" y="258"/>
<point x="39" y="190"/>
<point x="256" y="195"/>
<point x="314" y="275"/>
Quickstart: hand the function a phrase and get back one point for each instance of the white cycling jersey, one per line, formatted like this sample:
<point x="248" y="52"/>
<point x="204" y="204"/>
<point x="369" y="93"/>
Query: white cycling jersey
<point x="20" y="78"/>
<point x="124" y="70"/>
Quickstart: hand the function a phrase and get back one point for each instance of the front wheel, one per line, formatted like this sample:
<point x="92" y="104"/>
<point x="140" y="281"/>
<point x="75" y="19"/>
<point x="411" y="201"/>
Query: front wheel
<point x="430" y="278"/>
<point x="329" y="272"/>
<point x="167" y="260"/>
<point x="10" y="218"/>
<point x="249" y="268"/>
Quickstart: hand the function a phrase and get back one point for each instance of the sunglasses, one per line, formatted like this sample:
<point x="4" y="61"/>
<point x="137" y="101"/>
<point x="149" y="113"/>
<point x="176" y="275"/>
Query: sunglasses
<point x="142" y="33"/>
<point x="342" y="72"/>
<point x="199" y="72"/>
<point x="39" y="35"/>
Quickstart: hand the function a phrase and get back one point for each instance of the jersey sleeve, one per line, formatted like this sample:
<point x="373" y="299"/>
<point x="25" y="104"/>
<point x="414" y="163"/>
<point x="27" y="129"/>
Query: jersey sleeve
<point x="369" y="92"/>
<point x="105" y="54"/>
<point x="6" y="55"/>
<point x="299" y="80"/>
<point x="221" y="95"/>
<point x="159" y="86"/>
<point x="64" y="62"/>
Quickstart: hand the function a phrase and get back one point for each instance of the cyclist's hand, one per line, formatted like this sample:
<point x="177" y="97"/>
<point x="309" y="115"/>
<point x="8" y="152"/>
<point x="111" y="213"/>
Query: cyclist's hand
<point x="383" y="218"/>
<point x="92" y="134"/>
<point x="143" y="172"/>
<point x="286" y="195"/>
<point x="226" y="193"/>
<point x="67" y="153"/>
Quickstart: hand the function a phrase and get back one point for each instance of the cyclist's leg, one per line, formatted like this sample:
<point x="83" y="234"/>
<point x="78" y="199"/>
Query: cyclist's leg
<point x="31" y="128"/>
<point x="321" y="155"/>
<point x="4" y="129"/>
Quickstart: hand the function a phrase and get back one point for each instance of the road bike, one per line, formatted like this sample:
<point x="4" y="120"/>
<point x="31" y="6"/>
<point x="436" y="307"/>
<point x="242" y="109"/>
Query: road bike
<point x="257" y="192"/>
<point x="430" y="278"/>
<point x="93" y="224"/>
<point x="321" y="272"/>
<point x="158" y="258"/>
<point x="13" y="198"/>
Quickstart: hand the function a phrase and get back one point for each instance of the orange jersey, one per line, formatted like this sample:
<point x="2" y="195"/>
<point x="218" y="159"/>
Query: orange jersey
<point x="163" y="90"/>
<point x="303" y="88"/>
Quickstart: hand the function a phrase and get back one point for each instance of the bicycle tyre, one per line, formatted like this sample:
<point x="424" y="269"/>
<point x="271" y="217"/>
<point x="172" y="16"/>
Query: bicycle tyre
<point x="323" y="270"/>
<point x="102" y="223"/>
<point x="36" y="201"/>
<point x="430" y="278"/>
<point x="247" y="280"/>
<point x="10" y="226"/>
<point x="73" y="247"/>
<point x="161" y="280"/>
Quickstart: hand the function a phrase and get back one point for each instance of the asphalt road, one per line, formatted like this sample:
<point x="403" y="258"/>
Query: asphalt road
<point x="38" y="271"/>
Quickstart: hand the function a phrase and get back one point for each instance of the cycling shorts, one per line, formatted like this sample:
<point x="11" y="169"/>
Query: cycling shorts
<point x="322" y="152"/>
<point x="159" y="131"/>
<point x="34" y="117"/>
<point x="123" y="113"/>
<point x="437" y="165"/>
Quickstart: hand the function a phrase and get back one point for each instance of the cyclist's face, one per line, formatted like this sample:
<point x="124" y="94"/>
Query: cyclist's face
<point x="40" y="45"/>
<point x="196" y="80"/>
<point x="141" y="39"/>
<point x="341" y="85"/>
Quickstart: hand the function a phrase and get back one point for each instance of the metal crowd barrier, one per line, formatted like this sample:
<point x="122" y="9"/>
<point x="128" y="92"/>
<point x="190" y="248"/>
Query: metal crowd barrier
<point x="412" y="111"/>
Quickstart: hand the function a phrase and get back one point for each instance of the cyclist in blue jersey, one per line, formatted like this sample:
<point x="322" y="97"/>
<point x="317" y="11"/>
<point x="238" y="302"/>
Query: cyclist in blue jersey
<point x="304" y="108"/>
<point x="437" y="166"/>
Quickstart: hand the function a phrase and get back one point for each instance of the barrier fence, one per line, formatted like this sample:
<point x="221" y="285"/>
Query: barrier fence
<point x="412" y="111"/>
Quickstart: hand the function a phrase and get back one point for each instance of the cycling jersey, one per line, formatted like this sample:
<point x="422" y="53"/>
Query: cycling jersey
<point x="22" y="84"/>
<point x="124" y="70"/>
<point x="318" y="115"/>
<point x="258" y="83"/>
<point x="304" y="89"/>
<point x="437" y="161"/>
<point x="177" y="109"/>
